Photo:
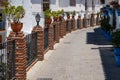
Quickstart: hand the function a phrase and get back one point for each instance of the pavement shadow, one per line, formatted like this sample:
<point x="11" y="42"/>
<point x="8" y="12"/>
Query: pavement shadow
<point x="96" y="38"/>
<point x="111" y="71"/>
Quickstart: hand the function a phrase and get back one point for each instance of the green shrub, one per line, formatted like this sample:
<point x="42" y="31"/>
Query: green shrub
<point x="105" y="24"/>
<point x="116" y="38"/>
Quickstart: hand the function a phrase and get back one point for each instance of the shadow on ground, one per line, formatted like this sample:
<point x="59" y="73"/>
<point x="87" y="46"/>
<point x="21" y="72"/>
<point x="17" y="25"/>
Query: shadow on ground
<point x="96" y="38"/>
<point x="111" y="71"/>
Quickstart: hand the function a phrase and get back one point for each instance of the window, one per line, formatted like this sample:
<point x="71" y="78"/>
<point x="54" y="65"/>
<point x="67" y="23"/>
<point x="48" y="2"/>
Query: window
<point x="2" y="21"/>
<point x="72" y="2"/>
<point x="2" y="3"/>
<point x="46" y="4"/>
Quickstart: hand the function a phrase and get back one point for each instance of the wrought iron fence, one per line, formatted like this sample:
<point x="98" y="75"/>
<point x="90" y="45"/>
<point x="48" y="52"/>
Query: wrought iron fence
<point x="60" y="28"/>
<point x="54" y="32"/>
<point x="88" y="21"/>
<point x="67" y="26"/>
<point x="7" y="60"/>
<point x="46" y="37"/>
<point x="72" y="24"/>
<point x="95" y="20"/>
<point x="31" y="45"/>
<point x="78" y="22"/>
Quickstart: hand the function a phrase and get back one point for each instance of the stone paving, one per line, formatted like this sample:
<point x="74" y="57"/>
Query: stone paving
<point x="76" y="57"/>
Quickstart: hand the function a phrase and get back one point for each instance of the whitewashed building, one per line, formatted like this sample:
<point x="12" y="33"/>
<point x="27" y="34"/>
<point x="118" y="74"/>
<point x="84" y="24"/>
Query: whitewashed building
<point x="32" y="7"/>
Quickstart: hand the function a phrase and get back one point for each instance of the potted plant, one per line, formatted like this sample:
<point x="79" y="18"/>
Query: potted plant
<point x="116" y="44"/>
<point x="106" y="27"/>
<point x="14" y="14"/>
<point x="57" y="14"/>
<point x="68" y="15"/>
<point x="79" y="16"/>
<point x="48" y="15"/>
<point x="73" y="14"/>
<point x="60" y="14"/>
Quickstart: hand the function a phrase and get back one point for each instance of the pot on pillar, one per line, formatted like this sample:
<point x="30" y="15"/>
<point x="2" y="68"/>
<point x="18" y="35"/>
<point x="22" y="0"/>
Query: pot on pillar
<point x="48" y="20"/>
<point x="55" y="18"/>
<point x="14" y="14"/>
<point x="68" y="15"/>
<point x="92" y="20"/>
<point x="79" y="22"/>
<point x="85" y="21"/>
<point x="73" y="23"/>
<point x="16" y="27"/>
<point x="48" y="15"/>
<point x="18" y="13"/>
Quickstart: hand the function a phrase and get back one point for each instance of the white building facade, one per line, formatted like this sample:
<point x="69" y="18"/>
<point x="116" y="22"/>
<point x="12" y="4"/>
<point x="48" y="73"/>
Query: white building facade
<point x="32" y="7"/>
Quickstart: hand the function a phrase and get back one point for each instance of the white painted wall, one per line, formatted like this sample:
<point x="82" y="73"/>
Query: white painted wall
<point x="80" y="6"/>
<point x="32" y="7"/>
<point x="117" y="21"/>
<point x="28" y="18"/>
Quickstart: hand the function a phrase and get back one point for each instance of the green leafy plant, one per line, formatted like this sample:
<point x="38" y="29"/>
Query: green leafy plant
<point x="116" y="38"/>
<point x="57" y="13"/>
<point x="60" y="12"/>
<point x="13" y="13"/>
<point x="67" y="13"/>
<point x="48" y="13"/>
<point x="105" y="24"/>
<point x="73" y="13"/>
<point x="98" y="13"/>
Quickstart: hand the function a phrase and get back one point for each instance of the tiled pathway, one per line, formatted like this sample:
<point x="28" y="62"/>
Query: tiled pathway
<point x="76" y="57"/>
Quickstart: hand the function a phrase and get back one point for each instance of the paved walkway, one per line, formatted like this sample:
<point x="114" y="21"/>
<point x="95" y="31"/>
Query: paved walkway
<point x="80" y="55"/>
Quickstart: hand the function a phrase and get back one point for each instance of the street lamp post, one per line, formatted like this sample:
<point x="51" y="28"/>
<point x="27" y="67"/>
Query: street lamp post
<point x="37" y="17"/>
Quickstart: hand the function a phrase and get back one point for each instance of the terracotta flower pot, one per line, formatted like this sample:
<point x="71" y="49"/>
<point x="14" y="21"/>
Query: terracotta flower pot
<point x="79" y="17"/>
<point x="16" y="27"/>
<point x="55" y="18"/>
<point x="60" y="18"/>
<point x="68" y="17"/>
<point x="48" y="20"/>
<point x="73" y="16"/>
